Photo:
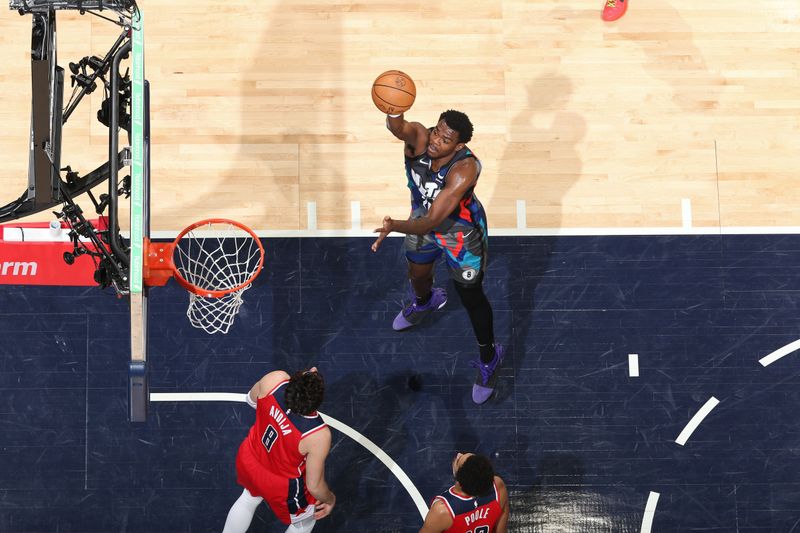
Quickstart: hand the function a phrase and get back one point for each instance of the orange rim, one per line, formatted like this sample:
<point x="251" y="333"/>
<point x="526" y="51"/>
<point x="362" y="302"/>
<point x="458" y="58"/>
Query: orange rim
<point x="191" y="287"/>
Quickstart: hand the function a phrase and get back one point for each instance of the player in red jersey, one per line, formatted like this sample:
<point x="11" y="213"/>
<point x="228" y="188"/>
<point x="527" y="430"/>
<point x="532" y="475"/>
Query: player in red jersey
<point x="477" y="503"/>
<point x="282" y="460"/>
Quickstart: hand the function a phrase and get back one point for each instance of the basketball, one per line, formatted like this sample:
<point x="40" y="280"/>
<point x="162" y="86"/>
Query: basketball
<point x="393" y="92"/>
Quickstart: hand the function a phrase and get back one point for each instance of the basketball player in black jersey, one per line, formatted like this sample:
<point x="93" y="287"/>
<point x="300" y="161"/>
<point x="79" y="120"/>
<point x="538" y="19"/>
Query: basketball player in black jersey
<point x="446" y="219"/>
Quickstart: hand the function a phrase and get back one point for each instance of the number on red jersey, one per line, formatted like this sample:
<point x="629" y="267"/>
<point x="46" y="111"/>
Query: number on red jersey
<point x="269" y="437"/>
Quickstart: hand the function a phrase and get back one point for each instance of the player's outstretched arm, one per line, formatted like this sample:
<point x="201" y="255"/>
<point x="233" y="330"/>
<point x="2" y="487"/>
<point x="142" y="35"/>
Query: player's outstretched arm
<point x="316" y="447"/>
<point x="461" y="178"/>
<point x="502" y="492"/>
<point x="413" y="134"/>
<point x="438" y="519"/>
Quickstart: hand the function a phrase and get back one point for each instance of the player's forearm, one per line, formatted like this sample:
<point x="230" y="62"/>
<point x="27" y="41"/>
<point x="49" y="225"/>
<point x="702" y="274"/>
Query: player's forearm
<point x="321" y="492"/>
<point x="416" y="226"/>
<point x="394" y="123"/>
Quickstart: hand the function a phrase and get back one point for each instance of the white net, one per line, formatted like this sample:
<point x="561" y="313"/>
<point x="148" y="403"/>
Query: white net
<point x="217" y="256"/>
<point x="214" y="315"/>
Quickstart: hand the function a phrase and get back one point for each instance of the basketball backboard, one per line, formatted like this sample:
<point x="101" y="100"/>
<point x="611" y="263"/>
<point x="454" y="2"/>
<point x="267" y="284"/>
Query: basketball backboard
<point x="139" y="224"/>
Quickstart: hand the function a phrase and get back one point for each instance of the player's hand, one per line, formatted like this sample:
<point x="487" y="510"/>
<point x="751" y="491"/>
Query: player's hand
<point x="382" y="232"/>
<point x="322" y="510"/>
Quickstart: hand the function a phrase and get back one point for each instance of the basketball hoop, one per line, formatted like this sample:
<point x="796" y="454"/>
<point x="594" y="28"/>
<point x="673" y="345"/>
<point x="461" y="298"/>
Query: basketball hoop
<point x="216" y="260"/>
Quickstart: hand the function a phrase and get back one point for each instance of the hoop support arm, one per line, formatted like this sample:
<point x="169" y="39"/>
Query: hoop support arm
<point x="158" y="264"/>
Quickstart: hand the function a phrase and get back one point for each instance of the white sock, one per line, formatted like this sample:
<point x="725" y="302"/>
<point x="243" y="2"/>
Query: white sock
<point x="241" y="513"/>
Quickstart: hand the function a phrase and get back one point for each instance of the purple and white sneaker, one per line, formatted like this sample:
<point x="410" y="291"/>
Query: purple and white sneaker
<point x="485" y="383"/>
<point x="414" y="313"/>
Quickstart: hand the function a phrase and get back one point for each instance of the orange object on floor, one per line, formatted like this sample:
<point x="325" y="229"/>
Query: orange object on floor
<point x="614" y="9"/>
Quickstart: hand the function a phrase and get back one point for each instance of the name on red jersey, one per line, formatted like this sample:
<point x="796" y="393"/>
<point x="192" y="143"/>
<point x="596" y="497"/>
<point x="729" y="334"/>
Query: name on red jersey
<point x="479" y="514"/>
<point x="280" y="419"/>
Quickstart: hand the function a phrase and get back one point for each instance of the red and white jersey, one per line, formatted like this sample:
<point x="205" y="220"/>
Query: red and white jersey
<point x="275" y="437"/>
<point x="472" y="515"/>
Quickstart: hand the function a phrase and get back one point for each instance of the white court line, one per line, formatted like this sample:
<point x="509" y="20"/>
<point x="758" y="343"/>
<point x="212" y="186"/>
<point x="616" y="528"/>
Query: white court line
<point x="633" y="365"/>
<point x="522" y="215"/>
<point x="196" y="397"/>
<point x="780" y="352"/>
<point x="686" y="212"/>
<point x="355" y="215"/>
<point x="311" y="208"/>
<point x="526" y="232"/>
<point x="382" y="456"/>
<point x="695" y="421"/>
<point x="649" y="512"/>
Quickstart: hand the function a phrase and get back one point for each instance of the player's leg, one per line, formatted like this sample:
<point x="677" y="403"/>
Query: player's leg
<point x="421" y="277"/>
<point x="480" y="314"/>
<point x="241" y="514"/>
<point x="421" y="253"/>
<point x="491" y="354"/>
<point x="291" y="503"/>
<point x="466" y="255"/>
<point x="248" y="474"/>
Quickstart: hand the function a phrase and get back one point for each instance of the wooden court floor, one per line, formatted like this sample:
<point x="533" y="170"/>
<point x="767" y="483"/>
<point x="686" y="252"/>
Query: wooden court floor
<point x="680" y="114"/>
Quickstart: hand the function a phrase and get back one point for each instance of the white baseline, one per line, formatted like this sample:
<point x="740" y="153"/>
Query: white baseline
<point x="525" y="232"/>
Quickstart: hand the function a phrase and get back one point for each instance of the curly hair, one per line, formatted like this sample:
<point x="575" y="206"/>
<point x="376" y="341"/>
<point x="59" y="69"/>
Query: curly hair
<point x="458" y="122"/>
<point x="305" y="392"/>
<point x="476" y="475"/>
